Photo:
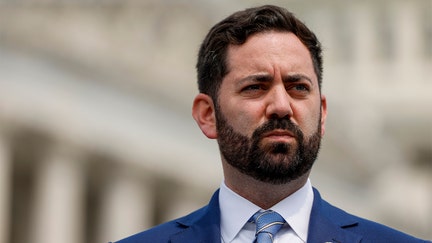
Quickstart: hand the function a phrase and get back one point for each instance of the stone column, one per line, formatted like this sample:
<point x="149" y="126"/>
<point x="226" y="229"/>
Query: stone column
<point x="5" y="189"/>
<point x="407" y="29"/>
<point x="58" y="212"/>
<point x="127" y="205"/>
<point x="364" y="37"/>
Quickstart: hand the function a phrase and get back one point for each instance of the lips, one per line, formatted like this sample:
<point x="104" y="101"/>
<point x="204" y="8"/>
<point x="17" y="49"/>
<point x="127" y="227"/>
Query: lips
<point x="279" y="134"/>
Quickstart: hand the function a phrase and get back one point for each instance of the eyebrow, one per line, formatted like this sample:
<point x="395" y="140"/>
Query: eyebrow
<point x="295" y="78"/>
<point x="261" y="77"/>
<point x="264" y="78"/>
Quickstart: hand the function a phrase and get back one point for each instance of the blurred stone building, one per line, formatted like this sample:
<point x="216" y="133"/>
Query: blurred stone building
<point x="96" y="137"/>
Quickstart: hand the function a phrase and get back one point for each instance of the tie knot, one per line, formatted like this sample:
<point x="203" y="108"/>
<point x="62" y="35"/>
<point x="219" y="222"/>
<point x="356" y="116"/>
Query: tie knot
<point x="268" y="223"/>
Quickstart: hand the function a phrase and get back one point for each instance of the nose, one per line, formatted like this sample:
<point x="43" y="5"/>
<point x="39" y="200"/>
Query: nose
<point x="278" y="103"/>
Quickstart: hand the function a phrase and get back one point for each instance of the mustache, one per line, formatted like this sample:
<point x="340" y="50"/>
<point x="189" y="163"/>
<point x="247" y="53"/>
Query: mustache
<point x="280" y="124"/>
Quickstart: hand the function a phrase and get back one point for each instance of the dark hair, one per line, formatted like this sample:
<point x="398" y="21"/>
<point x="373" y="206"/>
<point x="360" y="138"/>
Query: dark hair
<point x="235" y="30"/>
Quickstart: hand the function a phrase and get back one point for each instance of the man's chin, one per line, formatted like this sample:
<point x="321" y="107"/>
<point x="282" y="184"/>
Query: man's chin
<point x="279" y="149"/>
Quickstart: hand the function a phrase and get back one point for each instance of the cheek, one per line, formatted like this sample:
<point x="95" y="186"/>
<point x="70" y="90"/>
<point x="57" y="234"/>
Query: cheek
<point x="307" y="119"/>
<point x="243" y="118"/>
<point x="242" y="123"/>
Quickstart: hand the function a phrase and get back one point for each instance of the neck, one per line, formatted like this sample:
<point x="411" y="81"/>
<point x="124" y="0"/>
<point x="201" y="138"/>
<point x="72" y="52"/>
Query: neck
<point x="265" y="195"/>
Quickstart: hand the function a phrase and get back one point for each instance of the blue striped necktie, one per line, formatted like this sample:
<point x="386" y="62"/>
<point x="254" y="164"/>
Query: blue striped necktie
<point x="268" y="223"/>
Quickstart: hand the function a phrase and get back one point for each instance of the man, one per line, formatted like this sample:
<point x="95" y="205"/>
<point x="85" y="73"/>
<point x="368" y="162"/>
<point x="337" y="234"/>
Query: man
<point x="259" y="77"/>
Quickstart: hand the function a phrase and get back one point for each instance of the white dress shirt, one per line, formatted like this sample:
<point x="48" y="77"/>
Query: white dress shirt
<point x="236" y="212"/>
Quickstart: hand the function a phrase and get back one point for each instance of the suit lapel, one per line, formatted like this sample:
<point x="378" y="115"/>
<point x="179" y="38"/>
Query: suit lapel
<point x="203" y="227"/>
<point x="197" y="234"/>
<point x="328" y="224"/>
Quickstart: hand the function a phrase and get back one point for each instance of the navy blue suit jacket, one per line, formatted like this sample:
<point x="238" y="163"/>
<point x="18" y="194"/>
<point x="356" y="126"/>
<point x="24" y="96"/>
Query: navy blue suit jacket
<point x="327" y="224"/>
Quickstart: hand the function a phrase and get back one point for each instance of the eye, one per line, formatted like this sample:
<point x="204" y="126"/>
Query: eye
<point x="254" y="90"/>
<point x="252" y="87"/>
<point x="299" y="90"/>
<point x="301" y="87"/>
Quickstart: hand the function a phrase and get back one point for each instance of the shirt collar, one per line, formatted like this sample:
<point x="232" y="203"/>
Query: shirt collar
<point x="296" y="210"/>
<point x="236" y="211"/>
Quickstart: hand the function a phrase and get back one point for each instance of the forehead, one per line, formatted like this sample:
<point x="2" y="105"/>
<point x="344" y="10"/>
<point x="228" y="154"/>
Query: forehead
<point x="270" y="51"/>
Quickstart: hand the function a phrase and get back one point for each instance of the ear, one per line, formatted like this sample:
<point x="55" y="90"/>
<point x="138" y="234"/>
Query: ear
<point x="204" y="114"/>
<point x="323" y="113"/>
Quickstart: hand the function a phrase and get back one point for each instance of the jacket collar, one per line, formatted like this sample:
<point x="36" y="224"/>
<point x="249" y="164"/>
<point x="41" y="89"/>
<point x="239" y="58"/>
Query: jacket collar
<point x="202" y="226"/>
<point x="329" y="224"/>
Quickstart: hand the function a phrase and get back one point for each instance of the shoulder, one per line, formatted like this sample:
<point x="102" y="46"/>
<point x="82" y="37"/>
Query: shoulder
<point x="163" y="232"/>
<point x="204" y="222"/>
<point x="158" y="234"/>
<point x="369" y="230"/>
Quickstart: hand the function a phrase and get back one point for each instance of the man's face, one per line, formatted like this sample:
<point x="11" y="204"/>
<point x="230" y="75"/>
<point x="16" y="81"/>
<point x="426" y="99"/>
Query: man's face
<point x="270" y="113"/>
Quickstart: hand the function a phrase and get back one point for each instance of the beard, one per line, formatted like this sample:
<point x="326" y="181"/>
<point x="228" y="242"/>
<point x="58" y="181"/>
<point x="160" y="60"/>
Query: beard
<point x="275" y="163"/>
